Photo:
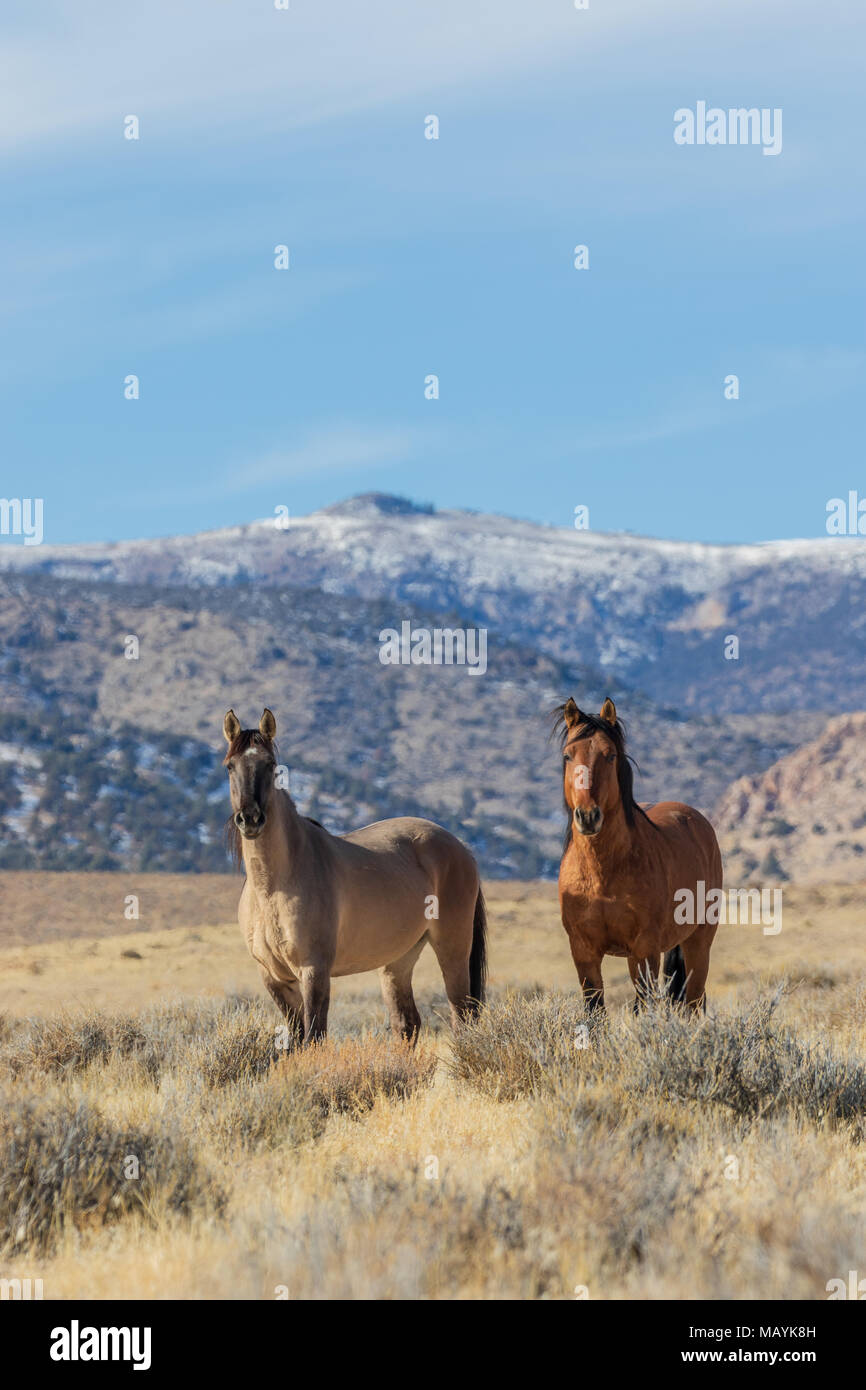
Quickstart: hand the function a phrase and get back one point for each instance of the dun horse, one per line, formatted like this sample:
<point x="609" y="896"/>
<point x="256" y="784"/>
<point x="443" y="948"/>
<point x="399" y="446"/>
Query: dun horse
<point x="316" y="905"/>
<point x="622" y="866"/>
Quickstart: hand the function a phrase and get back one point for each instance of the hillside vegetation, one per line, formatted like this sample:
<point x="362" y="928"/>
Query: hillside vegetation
<point x="117" y="663"/>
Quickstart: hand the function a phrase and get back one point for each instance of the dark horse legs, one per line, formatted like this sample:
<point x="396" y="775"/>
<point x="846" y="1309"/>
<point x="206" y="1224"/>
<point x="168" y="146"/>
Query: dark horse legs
<point x="589" y="974"/>
<point x="316" y="994"/>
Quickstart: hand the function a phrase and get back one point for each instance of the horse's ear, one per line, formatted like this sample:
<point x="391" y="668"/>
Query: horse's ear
<point x="267" y="724"/>
<point x="231" y="726"/>
<point x="608" y="711"/>
<point x="571" y="714"/>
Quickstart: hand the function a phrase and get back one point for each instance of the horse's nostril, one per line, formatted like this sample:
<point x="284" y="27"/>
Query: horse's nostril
<point x="588" y="820"/>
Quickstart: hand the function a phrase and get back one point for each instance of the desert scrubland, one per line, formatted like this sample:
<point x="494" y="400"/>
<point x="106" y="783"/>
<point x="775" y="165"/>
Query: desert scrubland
<point x="159" y="1141"/>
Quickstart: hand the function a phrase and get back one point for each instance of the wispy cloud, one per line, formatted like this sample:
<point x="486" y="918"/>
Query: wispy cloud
<point x="338" y="450"/>
<point x="330" y="451"/>
<point x="669" y="425"/>
<point x="70" y="69"/>
<point x="776" y="379"/>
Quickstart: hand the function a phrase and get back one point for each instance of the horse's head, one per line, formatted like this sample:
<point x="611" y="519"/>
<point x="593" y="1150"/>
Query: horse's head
<point x="251" y="760"/>
<point x="595" y="770"/>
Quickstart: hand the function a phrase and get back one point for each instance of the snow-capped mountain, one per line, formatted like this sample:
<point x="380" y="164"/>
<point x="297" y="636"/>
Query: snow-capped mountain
<point x="770" y="627"/>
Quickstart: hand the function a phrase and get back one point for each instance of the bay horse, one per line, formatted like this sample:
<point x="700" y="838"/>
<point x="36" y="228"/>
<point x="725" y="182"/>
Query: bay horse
<point x="625" y="867"/>
<point x="316" y="905"/>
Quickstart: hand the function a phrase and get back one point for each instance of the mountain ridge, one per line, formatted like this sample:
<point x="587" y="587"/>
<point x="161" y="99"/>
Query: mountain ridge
<point x="653" y="614"/>
<point x="99" y="748"/>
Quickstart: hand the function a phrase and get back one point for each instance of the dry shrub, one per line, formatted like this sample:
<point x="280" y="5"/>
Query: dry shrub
<point x="223" y="1074"/>
<point x="263" y="1113"/>
<point x="614" y="1173"/>
<point x="62" y="1164"/>
<point x="220" y="1040"/>
<point x="348" y="1076"/>
<point x="610" y="1201"/>
<point x="291" y="1104"/>
<point x="234" y="1047"/>
<point x="744" y="1060"/>
<point x="70" y="1042"/>
<point x="749" y="1063"/>
<point x="517" y="1043"/>
<point x="382" y="1235"/>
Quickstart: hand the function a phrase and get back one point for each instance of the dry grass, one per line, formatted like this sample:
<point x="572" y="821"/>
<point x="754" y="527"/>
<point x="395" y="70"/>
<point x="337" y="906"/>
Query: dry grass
<point x="743" y="1060"/>
<point x="657" y="1158"/>
<point x="65" y="944"/>
<point x="211" y="1080"/>
<point x="63" y="1165"/>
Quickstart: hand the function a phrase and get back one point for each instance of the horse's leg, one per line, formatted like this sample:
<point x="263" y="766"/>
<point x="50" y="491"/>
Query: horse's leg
<point x="396" y="981"/>
<point x="589" y="974"/>
<point x="461" y="1003"/>
<point x="451" y="939"/>
<point x="287" y="997"/>
<point x="454" y="965"/>
<point x="644" y="973"/>
<point x="696" y="956"/>
<point x="316" y="994"/>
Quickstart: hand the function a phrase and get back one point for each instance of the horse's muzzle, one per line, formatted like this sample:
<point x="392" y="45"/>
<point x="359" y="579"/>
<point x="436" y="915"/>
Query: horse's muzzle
<point x="588" y="822"/>
<point x="250" y="822"/>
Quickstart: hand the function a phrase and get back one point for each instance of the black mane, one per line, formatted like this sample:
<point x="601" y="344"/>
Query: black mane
<point x="250" y="738"/>
<point x="244" y="739"/>
<point x="625" y="765"/>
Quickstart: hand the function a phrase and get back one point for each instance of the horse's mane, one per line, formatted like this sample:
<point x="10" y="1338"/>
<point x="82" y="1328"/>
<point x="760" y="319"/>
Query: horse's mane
<point x="246" y="739"/>
<point x="625" y="764"/>
<point x="232" y="837"/>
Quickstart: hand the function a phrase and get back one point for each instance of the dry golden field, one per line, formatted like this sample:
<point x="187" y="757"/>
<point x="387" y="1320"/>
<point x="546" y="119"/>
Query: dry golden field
<point x="154" y="1147"/>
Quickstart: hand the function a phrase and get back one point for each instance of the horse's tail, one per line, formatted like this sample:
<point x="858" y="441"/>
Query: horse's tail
<point x="478" y="954"/>
<point x="675" y="975"/>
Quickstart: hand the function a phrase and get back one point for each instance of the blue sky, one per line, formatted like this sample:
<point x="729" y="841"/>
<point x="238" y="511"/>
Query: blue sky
<point x="408" y="257"/>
